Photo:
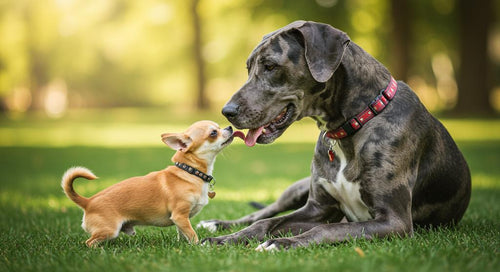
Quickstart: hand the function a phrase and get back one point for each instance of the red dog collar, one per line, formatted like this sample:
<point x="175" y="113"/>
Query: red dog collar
<point x="374" y="108"/>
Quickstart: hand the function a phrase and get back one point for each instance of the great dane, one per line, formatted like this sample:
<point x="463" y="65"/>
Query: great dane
<point x="381" y="160"/>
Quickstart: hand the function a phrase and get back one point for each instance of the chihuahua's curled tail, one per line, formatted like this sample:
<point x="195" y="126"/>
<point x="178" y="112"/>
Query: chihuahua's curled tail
<point x="67" y="184"/>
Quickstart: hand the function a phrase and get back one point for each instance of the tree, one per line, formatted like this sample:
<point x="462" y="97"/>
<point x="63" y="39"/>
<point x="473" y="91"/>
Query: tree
<point x="401" y="37"/>
<point x="474" y="85"/>
<point x="202" y="102"/>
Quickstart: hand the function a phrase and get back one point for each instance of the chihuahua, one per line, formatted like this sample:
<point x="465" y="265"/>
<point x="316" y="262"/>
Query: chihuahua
<point x="162" y="198"/>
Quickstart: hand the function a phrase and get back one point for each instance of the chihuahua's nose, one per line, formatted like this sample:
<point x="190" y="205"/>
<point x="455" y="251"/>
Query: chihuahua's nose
<point x="230" y="110"/>
<point x="230" y="129"/>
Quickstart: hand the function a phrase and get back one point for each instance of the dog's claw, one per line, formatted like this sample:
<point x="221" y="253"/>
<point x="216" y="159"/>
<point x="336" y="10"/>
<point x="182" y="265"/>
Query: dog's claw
<point x="267" y="246"/>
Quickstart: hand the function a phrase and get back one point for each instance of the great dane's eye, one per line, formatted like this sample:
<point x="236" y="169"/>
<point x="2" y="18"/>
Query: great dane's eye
<point x="214" y="133"/>
<point x="269" y="66"/>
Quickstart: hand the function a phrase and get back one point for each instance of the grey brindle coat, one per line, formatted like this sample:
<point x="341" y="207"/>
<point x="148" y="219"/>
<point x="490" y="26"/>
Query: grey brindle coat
<point x="401" y="169"/>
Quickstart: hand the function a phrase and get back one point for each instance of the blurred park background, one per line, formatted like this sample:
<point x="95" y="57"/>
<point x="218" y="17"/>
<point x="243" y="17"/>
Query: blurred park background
<point x="96" y="82"/>
<point x="61" y="55"/>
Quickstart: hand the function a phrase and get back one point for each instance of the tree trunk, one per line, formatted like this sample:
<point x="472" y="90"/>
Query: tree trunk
<point x="38" y="76"/>
<point x="202" y="102"/>
<point x="37" y="79"/>
<point x="401" y="38"/>
<point x="474" y="77"/>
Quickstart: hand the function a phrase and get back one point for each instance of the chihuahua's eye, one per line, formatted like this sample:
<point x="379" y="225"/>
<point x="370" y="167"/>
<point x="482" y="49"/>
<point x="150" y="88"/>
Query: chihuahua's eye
<point x="213" y="134"/>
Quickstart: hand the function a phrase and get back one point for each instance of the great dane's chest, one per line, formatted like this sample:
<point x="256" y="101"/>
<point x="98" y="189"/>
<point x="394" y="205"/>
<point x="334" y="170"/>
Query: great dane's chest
<point x="347" y="193"/>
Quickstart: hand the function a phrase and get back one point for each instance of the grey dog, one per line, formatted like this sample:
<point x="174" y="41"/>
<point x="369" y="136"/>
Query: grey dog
<point x="381" y="161"/>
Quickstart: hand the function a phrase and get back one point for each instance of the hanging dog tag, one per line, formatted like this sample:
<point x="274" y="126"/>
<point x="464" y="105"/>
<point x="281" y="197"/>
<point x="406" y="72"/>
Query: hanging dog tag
<point x="331" y="144"/>
<point x="331" y="155"/>
<point x="211" y="194"/>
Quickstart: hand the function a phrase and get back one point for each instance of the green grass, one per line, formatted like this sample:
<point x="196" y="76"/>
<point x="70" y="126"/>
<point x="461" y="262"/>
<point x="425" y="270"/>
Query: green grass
<point x="40" y="228"/>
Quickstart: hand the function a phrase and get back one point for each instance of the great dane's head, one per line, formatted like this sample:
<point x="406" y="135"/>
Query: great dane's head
<point x="285" y="72"/>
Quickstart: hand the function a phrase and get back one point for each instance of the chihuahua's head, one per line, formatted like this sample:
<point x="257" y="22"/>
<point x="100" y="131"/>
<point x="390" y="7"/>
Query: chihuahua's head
<point x="203" y="140"/>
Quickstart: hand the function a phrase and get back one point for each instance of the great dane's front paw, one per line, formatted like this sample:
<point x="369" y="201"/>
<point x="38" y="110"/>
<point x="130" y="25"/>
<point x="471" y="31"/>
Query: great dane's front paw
<point x="210" y="225"/>
<point x="212" y="241"/>
<point x="276" y="245"/>
<point x="221" y="240"/>
<point x="213" y="225"/>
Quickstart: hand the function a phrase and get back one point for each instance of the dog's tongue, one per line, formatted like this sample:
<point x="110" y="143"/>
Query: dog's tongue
<point x="252" y="136"/>
<point x="239" y="134"/>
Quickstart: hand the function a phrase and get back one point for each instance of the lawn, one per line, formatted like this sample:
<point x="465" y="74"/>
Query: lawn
<point x="40" y="228"/>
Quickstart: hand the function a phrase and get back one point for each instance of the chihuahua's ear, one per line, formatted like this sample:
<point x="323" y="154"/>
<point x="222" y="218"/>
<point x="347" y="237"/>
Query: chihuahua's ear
<point x="177" y="141"/>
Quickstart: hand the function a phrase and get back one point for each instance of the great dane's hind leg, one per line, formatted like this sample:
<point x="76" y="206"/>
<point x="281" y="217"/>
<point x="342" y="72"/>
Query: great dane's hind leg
<point x="292" y="198"/>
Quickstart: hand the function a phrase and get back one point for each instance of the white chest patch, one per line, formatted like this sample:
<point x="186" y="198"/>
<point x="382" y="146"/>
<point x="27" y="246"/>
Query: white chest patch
<point x="346" y="192"/>
<point x="202" y="201"/>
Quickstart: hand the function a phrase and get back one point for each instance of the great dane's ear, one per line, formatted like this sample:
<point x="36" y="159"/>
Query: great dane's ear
<point x="324" y="49"/>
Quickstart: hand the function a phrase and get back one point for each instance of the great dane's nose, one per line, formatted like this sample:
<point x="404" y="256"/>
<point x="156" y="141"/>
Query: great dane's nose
<point x="230" y="110"/>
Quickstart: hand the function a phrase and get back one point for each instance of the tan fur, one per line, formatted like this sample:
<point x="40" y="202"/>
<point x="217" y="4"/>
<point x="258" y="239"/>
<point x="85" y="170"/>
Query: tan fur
<point x="163" y="198"/>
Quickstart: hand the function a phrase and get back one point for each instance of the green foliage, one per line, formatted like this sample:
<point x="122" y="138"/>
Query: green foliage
<point x="123" y="53"/>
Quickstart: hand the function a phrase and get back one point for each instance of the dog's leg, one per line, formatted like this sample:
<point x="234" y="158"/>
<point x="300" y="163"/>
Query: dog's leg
<point x="338" y="232"/>
<point x="180" y="217"/>
<point x="292" y="198"/>
<point x="318" y="222"/>
<point x="184" y="227"/>
<point x="101" y="228"/>
<point x="101" y="235"/>
<point x="303" y="219"/>
<point x="391" y="215"/>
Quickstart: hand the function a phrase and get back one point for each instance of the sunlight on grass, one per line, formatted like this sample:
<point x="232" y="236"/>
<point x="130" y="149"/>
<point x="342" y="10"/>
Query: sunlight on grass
<point x="27" y="203"/>
<point x="60" y="202"/>
<point x="260" y="195"/>
<point x="116" y="135"/>
<point x="473" y="129"/>
<point x="136" y="127"/>
<point x="482" y="181"/>
<point x="111" y="135"/>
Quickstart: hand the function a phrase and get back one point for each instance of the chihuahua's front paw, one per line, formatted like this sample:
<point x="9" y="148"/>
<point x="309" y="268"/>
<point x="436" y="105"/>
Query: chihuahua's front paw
<point x="213" y="225"/>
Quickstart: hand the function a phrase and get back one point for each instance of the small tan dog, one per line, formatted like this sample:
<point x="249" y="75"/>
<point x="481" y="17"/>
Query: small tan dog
<point x="163" y="198"/>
